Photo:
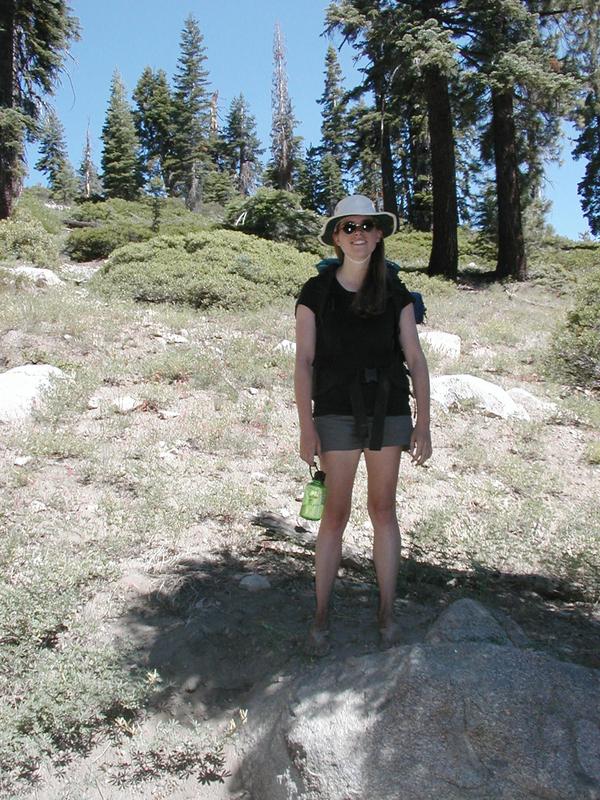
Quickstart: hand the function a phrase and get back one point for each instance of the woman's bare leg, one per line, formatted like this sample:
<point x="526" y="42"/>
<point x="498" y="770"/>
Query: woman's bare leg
<point x="340" y="467"/>
<point x="382" y="470"/>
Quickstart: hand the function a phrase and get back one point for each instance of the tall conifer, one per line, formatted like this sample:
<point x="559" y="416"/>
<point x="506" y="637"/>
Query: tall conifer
<point x="242" y="145"/>
<point x="120" y="165"/>
<point x="34" y="39"/>
<point x="54" y="159"/>
<point x="89" y="181"/>
<point x="189" y="161"/>
<point x="153" y="116"/>
<point x="284" y="145"/>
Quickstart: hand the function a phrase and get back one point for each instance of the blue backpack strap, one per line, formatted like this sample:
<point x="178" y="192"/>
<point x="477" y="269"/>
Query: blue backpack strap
<point x="394" y="270"/>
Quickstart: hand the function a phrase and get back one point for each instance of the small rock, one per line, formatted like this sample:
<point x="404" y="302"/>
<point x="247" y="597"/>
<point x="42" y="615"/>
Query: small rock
<point x="174" y="338"/>
<point x="285" y="346"/>
<point x="37" y="507"/>
<point x="126" y="404"/>
<point x="93" y="403"/>
<point x="447" y="344"/>
<point x="168" y="414"/>
<point x="253" y="391"/>
<point x="22" y="461"/>
<point x="191" y="684"/>
<point x="255" y="583"/>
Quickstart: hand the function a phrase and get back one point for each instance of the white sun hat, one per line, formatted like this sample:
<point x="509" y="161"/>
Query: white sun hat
<point x="360" y="206"/>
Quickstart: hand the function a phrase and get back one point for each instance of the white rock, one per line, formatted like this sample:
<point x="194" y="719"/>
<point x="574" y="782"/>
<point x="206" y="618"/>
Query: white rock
<point x="93" y="403"/>
<point x="255" y="583"/>
<point x="37" y="507"/>
<point x="175" y="338"/>
<point x="449" y="390"/>
<point x="38" y="276"/>
<point x="533" y="404"/>
<point x="126" y="404"/>
<point x="253" y="391"/>
<point x="22" y="461"/>
<point x="21" y="389"/>
<point x="448" y="344"/>
<point x="285" y="346"/>
<point x="168" y="413"/>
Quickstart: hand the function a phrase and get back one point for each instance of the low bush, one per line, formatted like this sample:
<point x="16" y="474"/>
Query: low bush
<point x="276" y="215"/>
<point x="90" y="244"/>
<point x="213" y="269"/>
<point x="575" y="350"/>
<point x="24" y="238"/>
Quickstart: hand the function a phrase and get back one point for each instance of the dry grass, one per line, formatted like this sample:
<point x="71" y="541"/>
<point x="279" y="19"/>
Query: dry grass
<point x="214" y="441"/>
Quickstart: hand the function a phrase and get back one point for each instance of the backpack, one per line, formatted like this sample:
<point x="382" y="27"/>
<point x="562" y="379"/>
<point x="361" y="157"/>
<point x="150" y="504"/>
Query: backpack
<point x="394" y="271"/>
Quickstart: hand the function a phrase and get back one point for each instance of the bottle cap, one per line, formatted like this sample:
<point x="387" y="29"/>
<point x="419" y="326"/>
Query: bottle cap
<point x="318" y="475"/>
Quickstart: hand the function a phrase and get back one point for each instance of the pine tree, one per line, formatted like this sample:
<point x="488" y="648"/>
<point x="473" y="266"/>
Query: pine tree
<point x="54" y="160"/>
<point x="120" y="165"/>
<point x="242" y="146"/>
<point x="586" y="30"/>
<point x="34" y="39"/>
<point x="153" y="116"/>
<point x="90" y="184"/>
<point x="284" y="145"/>
<point x="512" y="62"/>
<point x="189" y="160"/>
<point x="334" y="135"/>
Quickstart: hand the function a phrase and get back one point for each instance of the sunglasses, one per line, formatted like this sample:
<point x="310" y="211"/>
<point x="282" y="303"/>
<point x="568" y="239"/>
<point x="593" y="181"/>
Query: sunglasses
<point x="349" y="227"/>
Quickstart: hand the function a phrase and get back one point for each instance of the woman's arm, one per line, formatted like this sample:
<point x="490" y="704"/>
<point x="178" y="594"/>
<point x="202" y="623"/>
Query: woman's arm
<point x="420" y="443"/>
<point x="306" y="336"/>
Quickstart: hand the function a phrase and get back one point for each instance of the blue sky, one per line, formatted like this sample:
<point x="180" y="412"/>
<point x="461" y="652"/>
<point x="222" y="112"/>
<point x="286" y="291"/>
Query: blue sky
<point x="238" y="39"/>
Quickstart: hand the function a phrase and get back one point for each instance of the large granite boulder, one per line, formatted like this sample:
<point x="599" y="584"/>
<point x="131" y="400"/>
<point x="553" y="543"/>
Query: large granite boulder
<point x="469" y="714"/>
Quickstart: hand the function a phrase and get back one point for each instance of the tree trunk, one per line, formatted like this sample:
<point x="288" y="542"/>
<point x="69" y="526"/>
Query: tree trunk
<point x="388" y="184"/>
<point x="9" y="183"/>
<point x="419" y="210"/>
<point x="511" y="244"/>
<point x="444" y="250"/>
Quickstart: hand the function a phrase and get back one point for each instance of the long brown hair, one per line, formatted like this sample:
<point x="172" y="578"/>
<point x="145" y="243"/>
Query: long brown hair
<point x="371" y="298"/>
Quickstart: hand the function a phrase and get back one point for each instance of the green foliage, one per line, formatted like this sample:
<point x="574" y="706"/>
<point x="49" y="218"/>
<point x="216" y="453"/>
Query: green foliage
<point x="34" y="38"/>
<point x="220" y="269"/>
<point x="191" y="116"/>
<point x="54" y="160"/>
<point x="575" y="352"/>
<point x="58" y="700"/>
<point x="37" y="202"/>
<point x="121" y="173"/>
<point x="89" y="244"/>
<point x="61" y="687"/>
<point x="277" y="215"/>
<point x="122" y="221"/>
<point x="24" y="238"/>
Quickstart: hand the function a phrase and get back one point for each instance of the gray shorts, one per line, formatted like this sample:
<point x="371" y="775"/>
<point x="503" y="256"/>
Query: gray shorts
<point x="338" y="432"/>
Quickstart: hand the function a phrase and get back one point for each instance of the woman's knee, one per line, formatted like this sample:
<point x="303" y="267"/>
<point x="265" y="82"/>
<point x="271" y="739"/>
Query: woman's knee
<point x="336" y="516"/>
<point x="382" y="510"/>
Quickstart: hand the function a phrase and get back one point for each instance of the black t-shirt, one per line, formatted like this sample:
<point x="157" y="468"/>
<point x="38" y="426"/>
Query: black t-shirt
<point x="343" y="337"/>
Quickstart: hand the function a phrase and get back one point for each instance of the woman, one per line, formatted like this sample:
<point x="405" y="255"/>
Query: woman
<point x="355" y="330"/>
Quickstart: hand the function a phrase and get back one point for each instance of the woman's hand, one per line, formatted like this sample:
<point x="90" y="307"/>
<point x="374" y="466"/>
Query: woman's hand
<point x="420" y="444"/>
<point x="310" y="445"/>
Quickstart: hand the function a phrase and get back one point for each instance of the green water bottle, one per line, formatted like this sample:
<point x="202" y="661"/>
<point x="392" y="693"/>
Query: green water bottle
<point x="315" y="492"/>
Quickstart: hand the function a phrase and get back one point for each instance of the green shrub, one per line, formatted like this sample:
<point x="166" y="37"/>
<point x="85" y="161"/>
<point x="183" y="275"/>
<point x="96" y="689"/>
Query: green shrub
<point x="221" y="269"/>
<point x="276" y="215"/>
<point x="89" y="244"/>
<point x="575" y="350"/>
<point x="24" y="238"/>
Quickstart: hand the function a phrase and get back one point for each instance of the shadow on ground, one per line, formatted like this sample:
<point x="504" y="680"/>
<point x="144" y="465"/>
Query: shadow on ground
<point x="213" y="641"/>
